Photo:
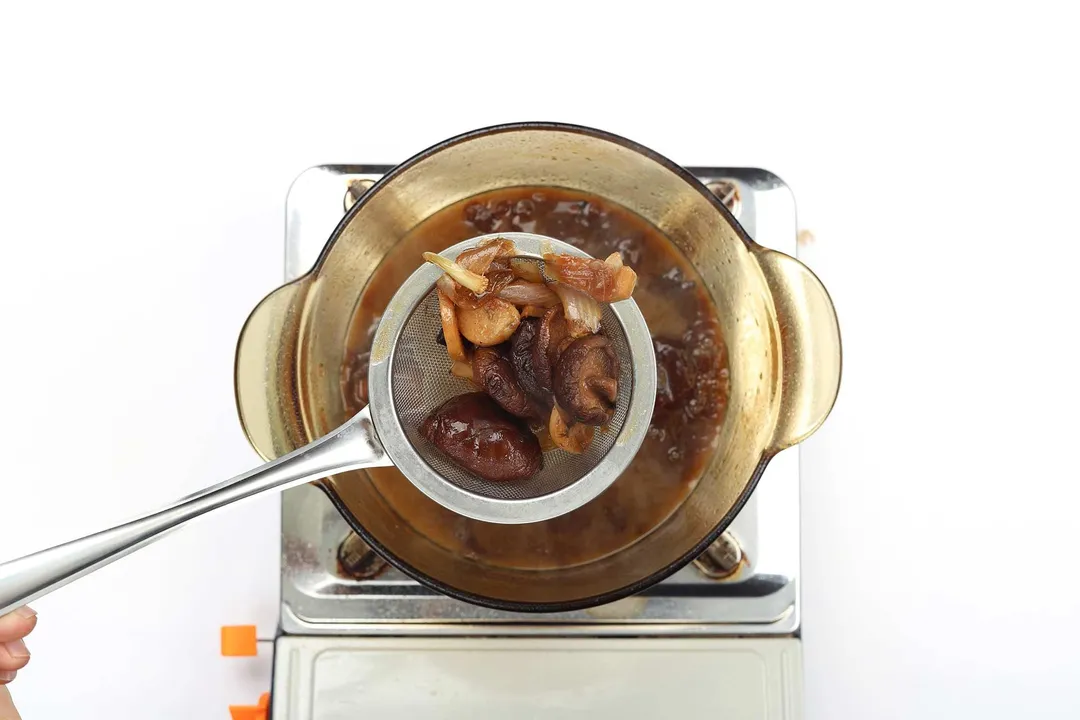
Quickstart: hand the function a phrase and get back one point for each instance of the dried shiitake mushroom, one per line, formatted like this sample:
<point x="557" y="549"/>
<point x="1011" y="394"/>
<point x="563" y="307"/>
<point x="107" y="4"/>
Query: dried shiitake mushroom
<point x="496" y="375"/>
<point x="483" y="438"/>
<point x="521" y="357"/>
<point x="586" y="380"/>
<point x="549" y="339"/>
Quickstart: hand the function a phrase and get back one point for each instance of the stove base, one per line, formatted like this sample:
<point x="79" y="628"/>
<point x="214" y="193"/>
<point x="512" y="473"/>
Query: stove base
<point x="758" y="596"/>
<point x="342" y="678"/>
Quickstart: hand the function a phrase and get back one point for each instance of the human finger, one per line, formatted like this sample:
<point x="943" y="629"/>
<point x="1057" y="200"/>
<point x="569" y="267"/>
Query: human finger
<point x="13" y="655"/>
<point x="17" y="624"/>
<point x="7" y="706"/>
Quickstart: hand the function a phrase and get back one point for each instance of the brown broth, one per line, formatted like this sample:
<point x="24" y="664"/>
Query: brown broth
<point x="691" y="395"/>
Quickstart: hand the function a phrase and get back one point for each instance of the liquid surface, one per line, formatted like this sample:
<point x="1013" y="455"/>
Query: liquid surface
<point x="692" y="386"/>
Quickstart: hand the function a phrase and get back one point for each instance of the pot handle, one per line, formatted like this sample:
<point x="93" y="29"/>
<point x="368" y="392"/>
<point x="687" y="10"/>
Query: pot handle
<point x="265" y="372"/>
<point x="809" y="344"/>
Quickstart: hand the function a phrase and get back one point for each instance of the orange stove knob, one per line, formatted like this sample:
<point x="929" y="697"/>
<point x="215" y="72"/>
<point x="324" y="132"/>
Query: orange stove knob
<point x="239" y="641"/>
<point x="247" y="712"/>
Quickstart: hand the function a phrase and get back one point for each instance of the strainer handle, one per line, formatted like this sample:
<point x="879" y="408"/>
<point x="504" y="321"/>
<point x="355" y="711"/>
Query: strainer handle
<point x="352" y="446"/>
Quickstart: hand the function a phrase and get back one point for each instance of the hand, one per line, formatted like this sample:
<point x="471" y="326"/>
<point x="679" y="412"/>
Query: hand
<point x="14" y="626"/>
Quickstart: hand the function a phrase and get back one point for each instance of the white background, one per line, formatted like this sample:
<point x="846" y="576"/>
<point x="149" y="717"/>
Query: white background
<point x="145" y="153"/>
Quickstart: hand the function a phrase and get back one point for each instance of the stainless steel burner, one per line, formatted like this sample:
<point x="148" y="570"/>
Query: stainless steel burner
<point x="746" y="584"/>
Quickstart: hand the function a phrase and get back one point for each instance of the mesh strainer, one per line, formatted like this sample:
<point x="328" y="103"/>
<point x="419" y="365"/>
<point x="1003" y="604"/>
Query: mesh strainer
<point x="410" y="370"/>
<point x="408" y="378"/>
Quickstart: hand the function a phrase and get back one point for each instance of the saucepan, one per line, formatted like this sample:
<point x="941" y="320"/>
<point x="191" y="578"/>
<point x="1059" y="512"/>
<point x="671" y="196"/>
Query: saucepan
<point x="776" y="319"/>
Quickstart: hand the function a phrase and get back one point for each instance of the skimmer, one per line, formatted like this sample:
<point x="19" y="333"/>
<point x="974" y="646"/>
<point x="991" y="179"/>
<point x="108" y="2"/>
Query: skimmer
<point x="408" y="377"/>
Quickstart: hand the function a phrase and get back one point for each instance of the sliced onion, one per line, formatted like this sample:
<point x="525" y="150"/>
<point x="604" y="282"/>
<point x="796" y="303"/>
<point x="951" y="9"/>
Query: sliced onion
<point x="448" y="287"/>
<point x="465" y="278"/>
<point x="479" y="258"/>
<point x="582" y="311"/>
<point x="465" y="298"/>
<point x="527" y="269"/>
<point x="522" y="292"/>
<point x="448" y="315"/>
<point x="608" y="281"/>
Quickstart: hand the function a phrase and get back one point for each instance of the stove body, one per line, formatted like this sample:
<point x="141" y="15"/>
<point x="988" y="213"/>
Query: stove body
<point x="356" y="636"/>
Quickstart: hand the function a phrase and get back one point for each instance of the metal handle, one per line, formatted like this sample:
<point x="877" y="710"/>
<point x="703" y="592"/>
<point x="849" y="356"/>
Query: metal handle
<point x="352" y="446"/>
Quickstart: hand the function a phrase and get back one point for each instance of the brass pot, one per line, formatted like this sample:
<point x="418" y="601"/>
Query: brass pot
<point x="776" y="317"/>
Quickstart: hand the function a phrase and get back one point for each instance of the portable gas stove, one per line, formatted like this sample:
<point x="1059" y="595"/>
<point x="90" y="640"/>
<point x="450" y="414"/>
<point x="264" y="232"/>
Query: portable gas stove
<point x="358" y="637"/>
